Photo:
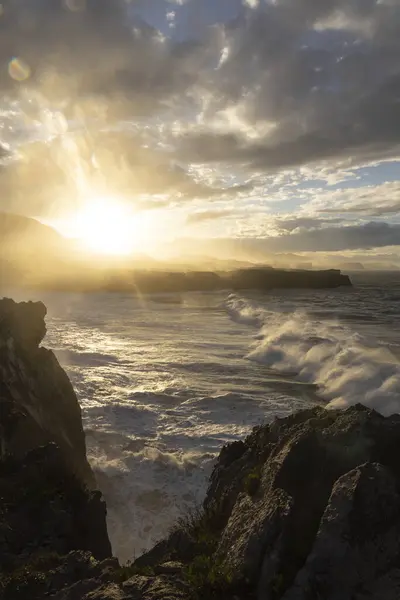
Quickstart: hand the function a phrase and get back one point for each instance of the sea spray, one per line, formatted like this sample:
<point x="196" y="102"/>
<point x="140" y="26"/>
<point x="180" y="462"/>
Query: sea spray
<point x="347" y="367"/>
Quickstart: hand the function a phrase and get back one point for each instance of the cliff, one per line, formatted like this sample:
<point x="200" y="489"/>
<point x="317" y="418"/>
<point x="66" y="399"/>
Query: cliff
<point x="38" y="403"/>
<point x="305" y="508"/>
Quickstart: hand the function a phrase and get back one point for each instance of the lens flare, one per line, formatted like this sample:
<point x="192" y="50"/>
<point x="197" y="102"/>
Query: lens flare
<point x="18" y="69"/>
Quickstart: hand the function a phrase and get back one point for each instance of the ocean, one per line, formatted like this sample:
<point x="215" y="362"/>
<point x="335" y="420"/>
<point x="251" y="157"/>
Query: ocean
<point x="166" y="380"/>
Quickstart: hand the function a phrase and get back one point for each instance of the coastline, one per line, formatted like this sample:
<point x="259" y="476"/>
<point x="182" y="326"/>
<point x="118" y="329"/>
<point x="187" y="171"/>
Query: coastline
<point x="292" y="512"/>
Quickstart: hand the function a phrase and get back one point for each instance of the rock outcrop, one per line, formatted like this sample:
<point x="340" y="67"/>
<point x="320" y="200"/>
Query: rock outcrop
<point x="38" y="403"/>
<point x="48" y="505"/>
<point x="305" y="508"/>
<point x="161" y="281"/>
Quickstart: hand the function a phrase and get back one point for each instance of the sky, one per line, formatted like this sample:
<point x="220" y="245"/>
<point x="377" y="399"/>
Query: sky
<point x="272" y="126"/>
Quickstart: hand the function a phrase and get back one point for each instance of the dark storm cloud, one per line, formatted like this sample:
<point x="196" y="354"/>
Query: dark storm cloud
<point x="331" y="239"/>
<point x="323" y="74"/>
<point x="75" y="48"/>
<point x="327" y="239"/>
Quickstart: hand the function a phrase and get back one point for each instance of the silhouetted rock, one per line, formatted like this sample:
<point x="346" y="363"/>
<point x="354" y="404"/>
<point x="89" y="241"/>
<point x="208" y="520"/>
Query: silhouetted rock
<point x="23" y="322"/>
<point x="38" y="403"/>
<point x="358" y="536"/>
<point x="46" y="508"/>
<point x="267" y="279"/>
<point x="261" y="279"/>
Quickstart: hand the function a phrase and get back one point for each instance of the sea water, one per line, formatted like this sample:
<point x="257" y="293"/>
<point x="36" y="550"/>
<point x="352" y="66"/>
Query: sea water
<point x="166" y="380"/>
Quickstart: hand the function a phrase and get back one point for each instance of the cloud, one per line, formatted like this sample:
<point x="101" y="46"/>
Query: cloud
<point x="200" y="216"/>
<point x="268" y="87"/>
<point x="327" y="239"/>
<point x="318" y="79"/>
<point x="90" y="53"/>
<point x="317" y="92"/>
<point x="364" y="201"/>
<point x="290" y="224"/>
<point x="50" y="177"/>
<point x="333" y="239"/>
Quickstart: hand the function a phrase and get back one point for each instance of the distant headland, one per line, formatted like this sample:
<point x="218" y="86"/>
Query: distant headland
<point x="257" y="279"/>
<point x="35" y="256"/>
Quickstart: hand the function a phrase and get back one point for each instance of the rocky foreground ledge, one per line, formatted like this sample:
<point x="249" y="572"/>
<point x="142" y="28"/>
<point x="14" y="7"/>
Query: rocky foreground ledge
<point x="306" y="508"/>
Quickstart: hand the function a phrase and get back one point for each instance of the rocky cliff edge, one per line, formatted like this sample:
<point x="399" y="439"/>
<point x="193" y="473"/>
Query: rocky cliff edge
<point x="305" y="508"/>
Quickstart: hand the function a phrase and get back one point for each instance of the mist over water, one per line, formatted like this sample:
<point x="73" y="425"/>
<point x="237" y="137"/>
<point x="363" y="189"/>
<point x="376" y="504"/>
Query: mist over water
<point x="165" y="381"/>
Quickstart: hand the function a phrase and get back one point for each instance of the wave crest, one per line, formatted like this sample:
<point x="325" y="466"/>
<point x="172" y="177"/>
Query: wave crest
<point x="347" y="367"/>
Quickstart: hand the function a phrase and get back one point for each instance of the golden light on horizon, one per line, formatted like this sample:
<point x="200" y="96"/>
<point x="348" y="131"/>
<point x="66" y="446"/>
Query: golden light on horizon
<point x="113" y="226"/>
<point x="107" y="226"/>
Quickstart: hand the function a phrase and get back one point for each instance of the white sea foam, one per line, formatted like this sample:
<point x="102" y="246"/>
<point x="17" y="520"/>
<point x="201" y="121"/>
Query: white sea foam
<point x="146" y="489"/>
<point x="347" y="367"/>
<point x="244" y="311"/>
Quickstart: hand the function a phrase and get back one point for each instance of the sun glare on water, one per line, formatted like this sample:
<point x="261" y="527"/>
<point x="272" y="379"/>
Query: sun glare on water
<point x="106" y="226"/>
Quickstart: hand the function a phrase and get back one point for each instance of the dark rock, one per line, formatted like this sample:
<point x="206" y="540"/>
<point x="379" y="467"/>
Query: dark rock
<point x="53" y="575"/>
<point x="180" y="546"/>
<point x="259" y="278"/>
<point x="305" y="508"/>
<point x="156" y="588"/>
<point x="45" y="508"/>
<point x="358" y="537"/>
<point x="37" y="402"/>
<point x="386" y="587"/>
<point x="24" y="322"/>
<point x="254" y="529"/>
<point x="169" y="568"/>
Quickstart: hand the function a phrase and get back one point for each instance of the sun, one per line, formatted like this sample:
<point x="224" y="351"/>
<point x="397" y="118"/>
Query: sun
<point x="106" y="225"/>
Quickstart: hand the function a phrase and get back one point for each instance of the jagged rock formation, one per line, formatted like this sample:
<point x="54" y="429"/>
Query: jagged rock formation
<point x="38" y="403"/>
<point x="306" y="508"/>
<point x="46" y="506"/>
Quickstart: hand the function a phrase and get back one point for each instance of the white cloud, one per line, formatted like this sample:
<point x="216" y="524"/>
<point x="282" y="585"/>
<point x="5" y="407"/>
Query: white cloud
<point x="251" y="3"/>
<point x="367" y="201"/>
